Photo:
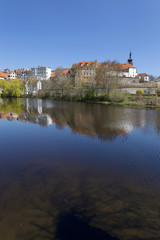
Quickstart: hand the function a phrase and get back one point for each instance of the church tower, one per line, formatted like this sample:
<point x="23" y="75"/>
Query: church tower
<point x="130" y="60"/>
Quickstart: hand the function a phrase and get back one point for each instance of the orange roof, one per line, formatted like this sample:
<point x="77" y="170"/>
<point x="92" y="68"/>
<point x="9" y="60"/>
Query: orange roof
<point x="63" y="71"/>
<point x="53" y="74"/>
<point x="142" y="75"/>
<point x="2" y="74"/>
<point x="84" y="64"/>
<point x="19" y="70"/>
<point x="125" y="66"/>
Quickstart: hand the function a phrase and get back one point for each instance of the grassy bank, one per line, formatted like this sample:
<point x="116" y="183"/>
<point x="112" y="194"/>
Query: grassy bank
<point x="112" y="98"/>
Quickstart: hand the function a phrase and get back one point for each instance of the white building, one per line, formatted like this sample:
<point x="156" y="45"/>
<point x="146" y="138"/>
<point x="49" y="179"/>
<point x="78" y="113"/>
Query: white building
<point x="128" y="70"/>
<point x="43" y="73"/>
<point x="143" y="77"/>
<point x="11" y="75"/>
<point x="33" y="88"/>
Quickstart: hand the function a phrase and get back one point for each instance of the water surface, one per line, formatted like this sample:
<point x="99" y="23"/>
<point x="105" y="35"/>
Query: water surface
<point x="78" y="171"/>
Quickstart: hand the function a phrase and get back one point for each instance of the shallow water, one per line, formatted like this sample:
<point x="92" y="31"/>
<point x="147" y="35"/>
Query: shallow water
<point x="78" y="171"/>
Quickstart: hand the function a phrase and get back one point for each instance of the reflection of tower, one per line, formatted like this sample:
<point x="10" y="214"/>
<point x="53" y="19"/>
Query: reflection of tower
<point x="130" y="60"/>
<point x="39" y="103"/>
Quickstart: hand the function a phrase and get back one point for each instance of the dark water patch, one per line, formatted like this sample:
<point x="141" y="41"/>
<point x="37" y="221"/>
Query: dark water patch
<point x="72" y="227"/>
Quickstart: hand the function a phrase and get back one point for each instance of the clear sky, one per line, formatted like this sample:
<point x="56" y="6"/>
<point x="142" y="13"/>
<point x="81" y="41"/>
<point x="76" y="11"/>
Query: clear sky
<point x="57" y="33"/>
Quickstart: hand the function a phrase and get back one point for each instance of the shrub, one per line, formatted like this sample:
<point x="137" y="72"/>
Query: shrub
<point x="139" y="92"/>
<point x="117" y="96"/>
<point x="158" y="92"/>
<point x="89" y="94"/>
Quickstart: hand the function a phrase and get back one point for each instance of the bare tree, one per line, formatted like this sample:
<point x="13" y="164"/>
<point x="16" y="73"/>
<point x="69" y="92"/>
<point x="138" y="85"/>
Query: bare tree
<point x="108" y="75"/>
<point x="30" y="76"/>
<point x="63" y="80"/>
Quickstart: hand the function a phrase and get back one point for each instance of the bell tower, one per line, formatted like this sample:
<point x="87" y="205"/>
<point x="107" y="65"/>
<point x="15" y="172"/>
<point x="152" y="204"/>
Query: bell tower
<point x="130" y="60"/>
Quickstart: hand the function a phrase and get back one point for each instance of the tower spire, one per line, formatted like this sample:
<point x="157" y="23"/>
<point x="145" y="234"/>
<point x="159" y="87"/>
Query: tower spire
<point x="130" y="60"/>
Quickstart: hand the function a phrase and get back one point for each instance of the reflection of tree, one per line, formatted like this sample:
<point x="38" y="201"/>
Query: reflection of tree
<point x="90" y="202"/>
<point x="93" y="120"/>
<point x="12" y="105"/>
<point x="69" y="207"/>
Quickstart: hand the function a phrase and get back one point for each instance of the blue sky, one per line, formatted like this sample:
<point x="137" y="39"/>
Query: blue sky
<point x="57" y="33"/>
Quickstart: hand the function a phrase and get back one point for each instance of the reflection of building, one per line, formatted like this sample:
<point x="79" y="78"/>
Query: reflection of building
<point x="12" y="116"/>
<point x="4" y="115"/>
<point x="34" y="104"/>
<point x="43" y="120"/>
<point x="39" y="102"/>
<point x="104" y="123"/>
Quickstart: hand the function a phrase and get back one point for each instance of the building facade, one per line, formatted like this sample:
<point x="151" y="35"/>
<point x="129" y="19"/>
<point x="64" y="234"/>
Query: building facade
<point x="42" y="73"/>
<point x="3" y="75"/>
<point x="143" y="77"/>
<point x="33" y="87"/>
<point x="85" y="71"/>
<point x="11" y="75"/>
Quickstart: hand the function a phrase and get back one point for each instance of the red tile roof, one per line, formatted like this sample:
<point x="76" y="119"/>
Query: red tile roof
<point x="64" y="72"/>
<point x="142" y="75"/>
<point x="53" y="74"/>
<point x="3" y="75"/>
<point x="125" y="66"/>
<point x="84" y="64"/>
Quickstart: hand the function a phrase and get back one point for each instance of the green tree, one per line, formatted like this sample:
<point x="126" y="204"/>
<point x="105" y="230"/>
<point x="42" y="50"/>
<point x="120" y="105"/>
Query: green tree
<point x="13" y="88"/>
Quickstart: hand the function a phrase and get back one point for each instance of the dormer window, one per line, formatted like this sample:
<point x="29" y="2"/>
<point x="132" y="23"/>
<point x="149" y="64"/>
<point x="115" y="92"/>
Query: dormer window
<point x="80" y="64"/>
<point x="86" y="64"/>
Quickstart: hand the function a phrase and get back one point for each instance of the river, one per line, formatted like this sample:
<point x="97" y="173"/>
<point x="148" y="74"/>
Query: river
<point x="78" y="171"/>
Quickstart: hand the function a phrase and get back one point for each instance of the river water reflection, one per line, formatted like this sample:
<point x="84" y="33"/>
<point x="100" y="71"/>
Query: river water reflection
<point x="78" y="171"/>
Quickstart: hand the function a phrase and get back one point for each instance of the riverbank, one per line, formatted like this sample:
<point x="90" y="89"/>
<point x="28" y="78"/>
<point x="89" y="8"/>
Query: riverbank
<point x="126" y="100"/>
<point x="120" y="99"/>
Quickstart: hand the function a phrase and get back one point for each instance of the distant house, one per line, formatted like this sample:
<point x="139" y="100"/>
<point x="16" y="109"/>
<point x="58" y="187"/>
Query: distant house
<point x="85" y="71"/>
<point x="64" y="73"/>
<point x="143" y="77"/>
<point x="21" y="73"/>
<point x="33" y="87"/>
<point x="128" y="70"/>
<point x="11" y="75"/>
<point x="125" y="69"/>
<point x="122" y="70"/>
<point x="53" y="75"/>
<point x="2" y="75"/>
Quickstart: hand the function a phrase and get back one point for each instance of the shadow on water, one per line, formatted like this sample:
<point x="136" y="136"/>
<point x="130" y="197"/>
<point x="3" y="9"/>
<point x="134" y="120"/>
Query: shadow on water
<point x="72" y="224"/>
<point x="71" y="227"/>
